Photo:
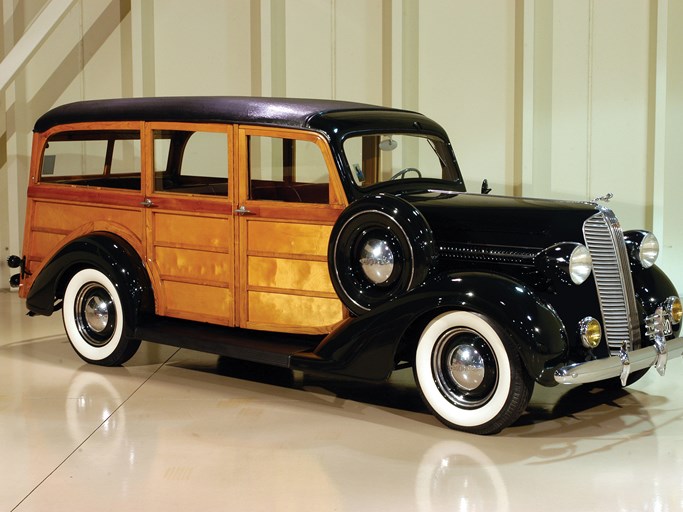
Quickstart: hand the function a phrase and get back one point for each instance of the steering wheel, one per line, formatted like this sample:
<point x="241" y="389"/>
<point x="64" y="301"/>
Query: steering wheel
<point x="402" y="173"/>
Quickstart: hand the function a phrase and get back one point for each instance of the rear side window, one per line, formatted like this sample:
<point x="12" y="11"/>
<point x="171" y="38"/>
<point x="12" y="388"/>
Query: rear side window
<point x="287" y="170"/>
<point x="97" y="158"/>
<point x="191" y="162"/>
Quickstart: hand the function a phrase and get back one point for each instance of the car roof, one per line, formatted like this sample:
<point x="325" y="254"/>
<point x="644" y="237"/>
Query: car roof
<point x="283" y="112"/>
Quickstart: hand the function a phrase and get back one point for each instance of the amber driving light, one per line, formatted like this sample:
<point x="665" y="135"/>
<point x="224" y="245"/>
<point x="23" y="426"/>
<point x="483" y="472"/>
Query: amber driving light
<point x="590" y="331"/>
<point x="674" y="308"/>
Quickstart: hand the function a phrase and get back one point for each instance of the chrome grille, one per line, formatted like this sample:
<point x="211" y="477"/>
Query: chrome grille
<point x="605" y="241"/>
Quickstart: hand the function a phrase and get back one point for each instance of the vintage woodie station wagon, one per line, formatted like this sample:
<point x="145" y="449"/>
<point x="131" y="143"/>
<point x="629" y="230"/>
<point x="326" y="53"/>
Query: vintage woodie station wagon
<point x="336" y="237"/>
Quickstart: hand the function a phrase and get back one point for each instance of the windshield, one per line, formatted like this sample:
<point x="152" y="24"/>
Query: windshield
<point x="378" y="158"/>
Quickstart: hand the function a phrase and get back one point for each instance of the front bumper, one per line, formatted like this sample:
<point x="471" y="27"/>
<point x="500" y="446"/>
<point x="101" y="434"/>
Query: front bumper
<point x="622" y="365"/>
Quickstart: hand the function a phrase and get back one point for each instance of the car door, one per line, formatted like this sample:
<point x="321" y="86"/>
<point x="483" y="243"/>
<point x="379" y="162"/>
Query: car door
<point x="288" y="198"/>
<point x="190" y="228"/>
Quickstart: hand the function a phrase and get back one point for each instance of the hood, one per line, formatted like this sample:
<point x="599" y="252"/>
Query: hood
<point x="475" y="219"/>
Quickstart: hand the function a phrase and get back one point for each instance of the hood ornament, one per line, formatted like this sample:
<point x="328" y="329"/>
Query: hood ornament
<point x="604" y="198"/>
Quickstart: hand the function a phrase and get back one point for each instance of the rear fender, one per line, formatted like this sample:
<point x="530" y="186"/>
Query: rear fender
<point x="105" y="252"/>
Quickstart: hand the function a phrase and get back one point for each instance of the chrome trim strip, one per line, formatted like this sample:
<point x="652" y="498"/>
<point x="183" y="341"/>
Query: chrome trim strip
<point x="609" y="367"/>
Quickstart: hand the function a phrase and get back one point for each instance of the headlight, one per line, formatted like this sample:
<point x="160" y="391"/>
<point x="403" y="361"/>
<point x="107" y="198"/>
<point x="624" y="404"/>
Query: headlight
<point x="643" y="248"/>
<point x="674" y="308"/>
<point x="590" y="331"/>
<point x="580" y="264"/>
<point x="648" y="251"/>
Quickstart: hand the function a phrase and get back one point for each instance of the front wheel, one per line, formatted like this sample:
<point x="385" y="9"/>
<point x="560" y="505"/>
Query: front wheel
<point x="94" y="319"/>
<point x="469" y="374"/>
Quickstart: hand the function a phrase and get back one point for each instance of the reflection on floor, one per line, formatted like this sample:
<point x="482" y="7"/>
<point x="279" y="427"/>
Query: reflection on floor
<point x="182" y="430"/>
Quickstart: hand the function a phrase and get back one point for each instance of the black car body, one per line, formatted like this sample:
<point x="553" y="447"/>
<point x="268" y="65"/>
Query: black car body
<point x="483" y="295"/>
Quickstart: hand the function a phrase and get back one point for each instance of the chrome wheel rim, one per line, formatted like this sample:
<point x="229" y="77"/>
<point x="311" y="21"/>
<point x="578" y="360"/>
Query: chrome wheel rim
<point x="95" y="314"/>
<point x="465" y="368"/>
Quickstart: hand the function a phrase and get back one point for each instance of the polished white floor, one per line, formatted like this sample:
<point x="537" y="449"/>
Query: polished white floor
<point x="181" y="430"/>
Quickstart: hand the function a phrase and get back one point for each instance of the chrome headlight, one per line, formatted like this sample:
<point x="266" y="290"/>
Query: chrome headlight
<point x="580" y="264"/>
<point x="648" y="251"/>
<point x="565" y="264"/>
<point x="590" y="331"/>
<point x="643" y="248"/>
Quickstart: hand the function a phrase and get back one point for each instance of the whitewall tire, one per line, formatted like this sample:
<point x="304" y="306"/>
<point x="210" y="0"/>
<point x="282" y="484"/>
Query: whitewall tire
<point x="469" y="374"/>
<point x="94" y="319"/>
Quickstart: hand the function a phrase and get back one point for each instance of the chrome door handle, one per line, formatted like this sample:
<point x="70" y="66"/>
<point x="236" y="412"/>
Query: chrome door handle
<point x="242" y="210"/>
<point x="147" y="203"/>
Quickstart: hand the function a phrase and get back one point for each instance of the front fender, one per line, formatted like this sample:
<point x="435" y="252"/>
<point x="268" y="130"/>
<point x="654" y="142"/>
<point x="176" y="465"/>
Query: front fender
<point x="366" y="346"/>
<point x="652" y="287"/>
<point x="107" y="253"/>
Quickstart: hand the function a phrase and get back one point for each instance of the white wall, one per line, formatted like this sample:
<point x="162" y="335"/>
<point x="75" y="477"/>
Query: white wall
<point x="555" y="98"/>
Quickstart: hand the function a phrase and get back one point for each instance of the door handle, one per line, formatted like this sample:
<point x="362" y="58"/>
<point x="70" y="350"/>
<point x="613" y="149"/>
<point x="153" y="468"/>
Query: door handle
<point x="242" y="210"/>
<point x="147" y="203"/>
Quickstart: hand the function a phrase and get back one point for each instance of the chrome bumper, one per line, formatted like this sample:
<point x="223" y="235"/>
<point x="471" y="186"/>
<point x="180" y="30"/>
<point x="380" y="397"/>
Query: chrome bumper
<point x="622" y="365"/>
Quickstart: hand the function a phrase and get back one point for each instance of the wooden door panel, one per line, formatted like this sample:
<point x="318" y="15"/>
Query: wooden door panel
<point x="290" y="193"/>
<point x="294" y="313"/>
<point x="194" y="259"/>
<point x="289" y="274"/>
<point x="291" y="238"/>
<point x="287" y="285"/>
<point x="199" y="302"/>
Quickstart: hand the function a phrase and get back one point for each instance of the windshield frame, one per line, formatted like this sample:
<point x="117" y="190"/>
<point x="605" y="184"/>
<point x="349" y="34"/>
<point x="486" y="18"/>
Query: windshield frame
<point x="443" y="153"/>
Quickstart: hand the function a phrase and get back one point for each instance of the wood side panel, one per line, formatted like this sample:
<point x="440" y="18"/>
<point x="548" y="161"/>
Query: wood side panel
<point x="64" y="218"/>
<point x="284" y="274"/>
<point x="199" y="302"/>
<point x="287" y="238"/>
<point x="305" y="213"/>
<point x="82" y="195"/>
<point x="293" y="313"/>
<point x="192" y="256"/>
<point x="42" y="244"/>
<point x="195" y="231"/>
<point x="192" y="265"/>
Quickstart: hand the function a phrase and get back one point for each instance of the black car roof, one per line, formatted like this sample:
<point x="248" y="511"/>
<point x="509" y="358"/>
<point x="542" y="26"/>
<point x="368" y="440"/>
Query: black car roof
<point x="285" y="112"/>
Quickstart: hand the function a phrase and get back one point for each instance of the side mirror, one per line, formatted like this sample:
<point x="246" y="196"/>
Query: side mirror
<point x="485" y="187"/>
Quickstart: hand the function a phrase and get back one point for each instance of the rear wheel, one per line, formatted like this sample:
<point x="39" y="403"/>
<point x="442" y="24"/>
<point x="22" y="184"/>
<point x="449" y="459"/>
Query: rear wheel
<point x="94" y="319"/>
<point x="469" y="374"/>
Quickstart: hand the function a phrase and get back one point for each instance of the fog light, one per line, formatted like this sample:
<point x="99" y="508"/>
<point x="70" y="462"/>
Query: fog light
<point x="674" y="308"/>
<point x="590" y="331"/>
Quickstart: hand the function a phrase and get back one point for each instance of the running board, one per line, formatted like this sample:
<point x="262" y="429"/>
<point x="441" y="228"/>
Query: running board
<point x="265" y="347"/>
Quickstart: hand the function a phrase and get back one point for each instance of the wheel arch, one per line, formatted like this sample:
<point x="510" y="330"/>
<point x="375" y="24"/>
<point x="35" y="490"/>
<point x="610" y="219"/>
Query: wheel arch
<point x="369" y="346"/>
<point x="113" y="256"/>
<point x="532" y="325"/>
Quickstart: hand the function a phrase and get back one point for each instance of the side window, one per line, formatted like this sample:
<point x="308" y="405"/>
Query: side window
<point x="104" y="158"/>
<point x="191" y="162"/>
<point x="287" y="170"/>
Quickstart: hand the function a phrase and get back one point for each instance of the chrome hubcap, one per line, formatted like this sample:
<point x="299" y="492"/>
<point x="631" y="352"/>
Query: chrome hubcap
<point x="95" y="314"/>
<point x="466" y="367"/>
<point x="377" y="260"/>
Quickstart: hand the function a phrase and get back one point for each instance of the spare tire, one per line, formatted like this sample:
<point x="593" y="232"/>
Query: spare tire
<point x="380" y="248"/>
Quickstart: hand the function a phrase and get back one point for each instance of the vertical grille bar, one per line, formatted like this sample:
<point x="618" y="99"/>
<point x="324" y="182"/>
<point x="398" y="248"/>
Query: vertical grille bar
<point x="605" y="240"/>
